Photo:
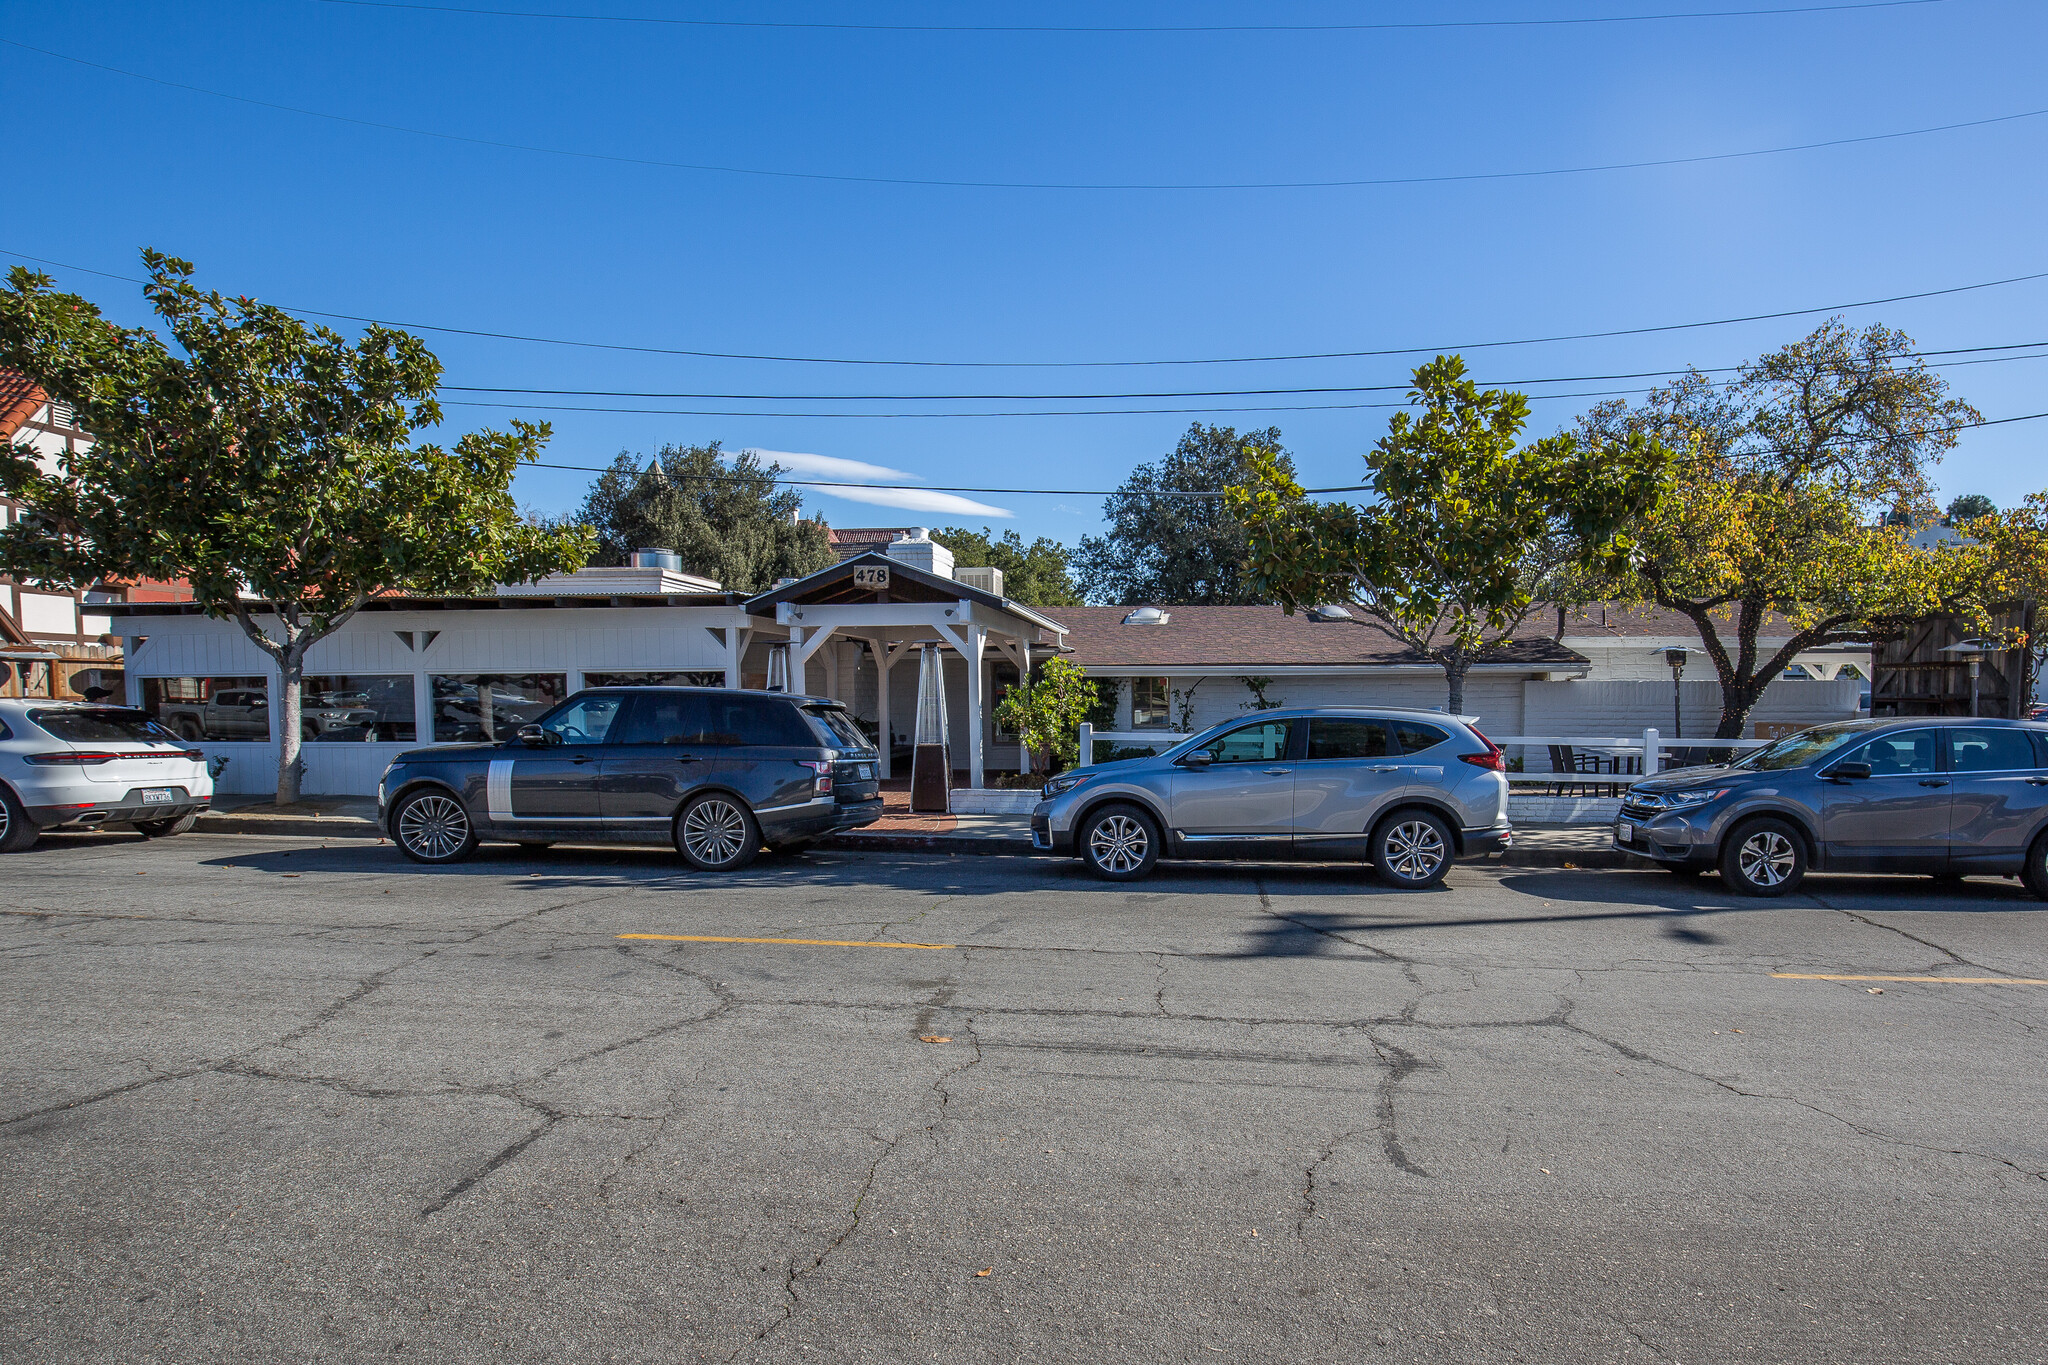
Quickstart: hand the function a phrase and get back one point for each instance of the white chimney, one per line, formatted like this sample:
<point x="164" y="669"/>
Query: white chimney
<point x="920" y="551"/>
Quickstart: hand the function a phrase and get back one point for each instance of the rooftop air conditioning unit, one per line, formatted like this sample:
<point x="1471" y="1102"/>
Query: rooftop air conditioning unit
<point x="987" y="578"/>
<point x="656" y="559"/>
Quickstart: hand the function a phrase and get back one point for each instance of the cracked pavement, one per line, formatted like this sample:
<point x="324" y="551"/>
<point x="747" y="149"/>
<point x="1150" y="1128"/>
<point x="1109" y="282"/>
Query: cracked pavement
<point x="265" y="1100"/>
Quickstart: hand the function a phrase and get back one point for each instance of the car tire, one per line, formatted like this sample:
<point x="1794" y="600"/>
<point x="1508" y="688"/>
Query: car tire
<point x="1119" y="842"/>
<point x="2035" y="871"/>
<point x="17" y="831"/>
<point x="188" y="729"/>
<point x="431" y="827"/>
<point x="1763" y="858"/>
<point x="1412" y="849"/>
<point x="716" y="833"/>
<point x="164" y="829"/>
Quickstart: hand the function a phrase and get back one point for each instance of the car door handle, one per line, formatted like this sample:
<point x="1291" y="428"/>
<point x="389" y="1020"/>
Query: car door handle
<point x="686" y="758"/>
<point x="1934" y="782"/>
<point x="2037" y="782"/>
<point x="582" y="758"/>
<point x="1278" y="772"/>
<point x="1389" y="768"/>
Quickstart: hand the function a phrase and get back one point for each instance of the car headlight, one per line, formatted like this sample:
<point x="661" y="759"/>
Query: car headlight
<point x="1698" y="796"/>
<point x="1064" y="783"/>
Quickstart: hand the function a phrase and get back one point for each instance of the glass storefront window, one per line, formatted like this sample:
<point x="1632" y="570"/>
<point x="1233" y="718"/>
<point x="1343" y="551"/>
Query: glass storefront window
<point x="363" y="707"/>
<point x="220" y="709"/>
<point x="491" y="706"/>
<point x="697" y="678"/>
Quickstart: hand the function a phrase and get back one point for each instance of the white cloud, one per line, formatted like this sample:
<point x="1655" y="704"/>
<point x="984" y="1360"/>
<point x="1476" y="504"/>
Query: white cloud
<point x="853" y="472"/>
<point x="916" y="500"/>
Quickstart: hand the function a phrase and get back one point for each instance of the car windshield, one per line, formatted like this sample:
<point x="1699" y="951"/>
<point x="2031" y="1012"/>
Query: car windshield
<point x="1808" y="746"/>
<point x="105" y="726"/>
<point x="837" y="727"/>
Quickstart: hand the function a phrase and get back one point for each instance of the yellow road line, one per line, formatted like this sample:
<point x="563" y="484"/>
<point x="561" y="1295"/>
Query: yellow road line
<point x="801" y="942"/>
<point x="1933" y="980"/>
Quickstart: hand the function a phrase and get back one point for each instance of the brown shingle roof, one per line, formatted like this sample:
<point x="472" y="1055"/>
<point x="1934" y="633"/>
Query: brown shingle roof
<point x="1226" y="638"/>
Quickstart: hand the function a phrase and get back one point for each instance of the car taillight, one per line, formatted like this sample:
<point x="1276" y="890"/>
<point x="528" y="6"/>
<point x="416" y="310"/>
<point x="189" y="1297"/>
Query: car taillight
<point x="80" y="758"/>
<point x="1490" y="760"/>
<point x="821" y="775"/>
<point x="196" y="755"/>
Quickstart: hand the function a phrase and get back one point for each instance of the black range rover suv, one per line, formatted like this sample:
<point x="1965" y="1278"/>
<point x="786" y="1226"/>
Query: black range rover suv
<point x="714" y="771"/>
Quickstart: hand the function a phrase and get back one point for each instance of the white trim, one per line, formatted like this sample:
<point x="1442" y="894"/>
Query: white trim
<point x="498" y="790"/>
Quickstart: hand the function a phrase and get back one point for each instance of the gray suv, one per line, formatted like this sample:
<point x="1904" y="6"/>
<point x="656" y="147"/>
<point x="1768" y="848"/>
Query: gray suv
<point x="1407" y="791"/>
<point x="1950" y="797"/>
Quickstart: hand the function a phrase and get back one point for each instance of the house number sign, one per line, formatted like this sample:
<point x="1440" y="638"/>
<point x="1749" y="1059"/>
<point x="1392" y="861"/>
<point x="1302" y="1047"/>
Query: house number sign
<point x="873" y="576"/>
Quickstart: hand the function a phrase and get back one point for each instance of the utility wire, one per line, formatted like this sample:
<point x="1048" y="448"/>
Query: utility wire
<point x="712" y="168"/>
<point x="1439" y="349"/>
<point x="1139" y="28"/>
<point x="1120" y="492"/>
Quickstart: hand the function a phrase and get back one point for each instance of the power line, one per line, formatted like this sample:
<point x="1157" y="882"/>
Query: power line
<point x="1115" y="492"/>
<point x="1084" y="186"/>
<point x="1441" y="348"/>
<point x="1139" y="28"/>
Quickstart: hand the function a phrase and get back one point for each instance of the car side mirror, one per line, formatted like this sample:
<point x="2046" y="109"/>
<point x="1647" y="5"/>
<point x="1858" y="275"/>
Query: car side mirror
<point x="533" y="737"/>
<point x="1843" y="772"/>
<point x="1200" y="758"/>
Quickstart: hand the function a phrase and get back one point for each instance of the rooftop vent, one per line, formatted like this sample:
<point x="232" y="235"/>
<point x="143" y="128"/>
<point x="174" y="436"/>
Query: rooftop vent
<point x="1330" y="611"/>
<point x="1148" y="616"/>
<point x="656" y="559"/>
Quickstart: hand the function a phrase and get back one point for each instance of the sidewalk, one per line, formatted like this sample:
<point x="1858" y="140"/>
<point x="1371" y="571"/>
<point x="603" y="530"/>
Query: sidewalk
<point x="898" y="831"/>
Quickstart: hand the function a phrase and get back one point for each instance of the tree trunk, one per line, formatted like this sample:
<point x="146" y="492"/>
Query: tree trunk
<point x="1737" y="697"/>
<point x="1454" y="676"/>
<point x="291" y="669"/>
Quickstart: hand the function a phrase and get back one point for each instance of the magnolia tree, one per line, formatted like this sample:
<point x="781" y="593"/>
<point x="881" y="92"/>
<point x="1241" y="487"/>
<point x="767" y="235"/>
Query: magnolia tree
<point x="269" y="464"/>
<point x="1465" y="525"/>
<point x="1794" y="493"/>
<point x="1046" y="713"/>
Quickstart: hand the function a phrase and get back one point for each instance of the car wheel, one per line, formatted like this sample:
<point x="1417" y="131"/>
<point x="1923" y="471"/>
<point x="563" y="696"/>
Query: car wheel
<point x="1766" y="858"/>
<point x="432" y="827"/>
<point x="164" y="829"/>
<point x="188" y="729"/>
<point x="1412" y="849"/>
<point x="2035" y="873"/>
<point x="1120" y="843"/>
<point x="17" y="831"/>
<point x="716" y="833"/>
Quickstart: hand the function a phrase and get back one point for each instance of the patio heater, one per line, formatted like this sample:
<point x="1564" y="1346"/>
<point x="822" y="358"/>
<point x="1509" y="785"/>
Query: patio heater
<point x="1971" y="652"/>
<point x="1675" y="657"/>
<point x="778" y="668"/>
<point x="931" y="761"/>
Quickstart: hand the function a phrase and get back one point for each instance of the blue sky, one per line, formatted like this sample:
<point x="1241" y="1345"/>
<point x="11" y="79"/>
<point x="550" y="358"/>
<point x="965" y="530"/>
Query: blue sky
<point x="319" y="213"/>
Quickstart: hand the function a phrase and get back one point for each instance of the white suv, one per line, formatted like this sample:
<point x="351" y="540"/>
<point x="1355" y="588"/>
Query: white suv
<point x="76" y="765"/>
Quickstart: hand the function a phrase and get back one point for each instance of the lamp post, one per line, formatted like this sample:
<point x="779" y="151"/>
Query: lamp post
<point x="1972" y="653"/>
<point x="1675" y="656"/>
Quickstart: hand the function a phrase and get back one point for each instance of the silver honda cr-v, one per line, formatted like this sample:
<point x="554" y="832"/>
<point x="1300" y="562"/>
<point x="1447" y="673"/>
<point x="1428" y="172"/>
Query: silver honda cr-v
<point x="1407" y="791"/>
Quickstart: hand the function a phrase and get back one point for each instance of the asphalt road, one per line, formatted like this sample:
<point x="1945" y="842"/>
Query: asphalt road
<point x="261" y="1100"/>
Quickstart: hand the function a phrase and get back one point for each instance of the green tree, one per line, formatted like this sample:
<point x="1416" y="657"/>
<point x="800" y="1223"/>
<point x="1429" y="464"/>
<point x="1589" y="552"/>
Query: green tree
<point x="267" y="463"/>
<point x="1046" y="713"/>
<point x="1969" y="507"/>
<point x="1034" y="574"/>
<point x="724" y="517"/>
<point x="1174" y="549"/>
<point x="1464" y="525"/>
<point x="1795" y="491"/>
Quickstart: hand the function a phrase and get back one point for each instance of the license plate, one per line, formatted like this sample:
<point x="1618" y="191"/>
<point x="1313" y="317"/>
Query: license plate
<point x="157" y="796"/>
<point x="1626" y="833"/>
<point x="865" y="772"/>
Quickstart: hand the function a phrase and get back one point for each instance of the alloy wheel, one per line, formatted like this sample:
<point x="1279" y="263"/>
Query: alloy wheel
<point x="1414" y="849"/>
<point x="434" y="827"/>
<point x="6" y="820"/>
<point x="1767" y="858"/>
<point x="715" y="832"/>
<point x="1118" y="843"/>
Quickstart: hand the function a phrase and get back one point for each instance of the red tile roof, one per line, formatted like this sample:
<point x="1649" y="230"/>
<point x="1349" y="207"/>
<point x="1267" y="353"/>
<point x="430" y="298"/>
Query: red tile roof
<point x="19" y="399"/>
<point x="1230" y="638"/>
<point x="1623" y="620"/>
<point x="859" y="540"/>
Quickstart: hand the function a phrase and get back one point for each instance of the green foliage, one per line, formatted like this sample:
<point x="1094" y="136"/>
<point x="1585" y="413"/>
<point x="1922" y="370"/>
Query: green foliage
<point x="1969" y="507"/>
<point x="1464" y="525"/>
<point x="261" y="456"/>
<point x="1794" y="492"/>
<point x="1260" y="702"/>
<point x="1046" y="713"/>
<point x="1034" y="574"/>
<point x="1167" y="549"/>
<point x="726" y="518"/>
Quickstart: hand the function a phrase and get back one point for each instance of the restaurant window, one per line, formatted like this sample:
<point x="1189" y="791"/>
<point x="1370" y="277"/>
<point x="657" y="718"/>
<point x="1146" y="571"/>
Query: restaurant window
<point x="714" y="677"/>
<point x="1149" y="697"/>
<point x="235" y="710"/>
<point x="491" y="706"/>
<point x="364" y="707"/>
